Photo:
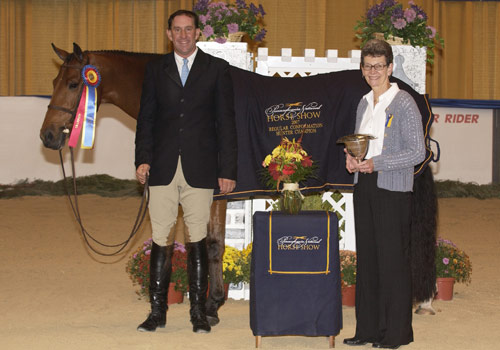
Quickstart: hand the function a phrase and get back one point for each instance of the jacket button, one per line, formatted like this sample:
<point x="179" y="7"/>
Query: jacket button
<point x="181" y="130"/>
<point x="182" y="100"/>
<point x="181" y="115"/>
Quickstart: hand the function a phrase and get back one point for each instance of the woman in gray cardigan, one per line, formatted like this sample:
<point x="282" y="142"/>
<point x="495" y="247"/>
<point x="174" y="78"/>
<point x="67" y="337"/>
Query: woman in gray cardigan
<point x="382" y="203"/>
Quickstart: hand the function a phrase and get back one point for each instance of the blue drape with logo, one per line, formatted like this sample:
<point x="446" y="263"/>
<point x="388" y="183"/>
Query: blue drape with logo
<point x="295" y="279"/>
<point x="322" y="108"/>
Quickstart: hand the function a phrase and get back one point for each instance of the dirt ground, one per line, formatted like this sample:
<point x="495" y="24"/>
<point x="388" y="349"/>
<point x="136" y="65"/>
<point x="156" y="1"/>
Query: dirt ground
<point x="55" y="294"/>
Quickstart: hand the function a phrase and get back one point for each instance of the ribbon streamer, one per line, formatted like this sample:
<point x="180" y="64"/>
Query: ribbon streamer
<point x="87" y="108"/>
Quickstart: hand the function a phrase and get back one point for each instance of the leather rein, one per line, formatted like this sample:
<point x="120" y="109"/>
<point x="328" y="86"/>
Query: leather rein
<point x="74" y="202"/>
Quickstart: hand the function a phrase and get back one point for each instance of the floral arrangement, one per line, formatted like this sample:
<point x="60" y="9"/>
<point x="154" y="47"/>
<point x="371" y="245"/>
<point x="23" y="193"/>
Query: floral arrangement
<point x="410" y="24"/>
<point x="288" y="163"/>
<point x="218" y="19"/>
<point x="138" y="268"/>
<point x="452" y="262"/>
<point x="347" y="267"/>
<point x="231" y="266"/>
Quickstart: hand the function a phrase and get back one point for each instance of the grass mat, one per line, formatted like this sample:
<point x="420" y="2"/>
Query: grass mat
<point x="102" y="185"/>
<point x="108" y="186"/>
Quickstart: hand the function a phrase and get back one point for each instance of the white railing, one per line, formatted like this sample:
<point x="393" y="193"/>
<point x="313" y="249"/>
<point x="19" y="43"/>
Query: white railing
<point x="289" y="66"/>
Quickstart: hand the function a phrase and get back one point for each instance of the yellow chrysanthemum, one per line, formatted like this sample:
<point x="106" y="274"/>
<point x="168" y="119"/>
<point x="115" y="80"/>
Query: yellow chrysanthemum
<point x="267" y="160"/>
<point x="276" y="152"/>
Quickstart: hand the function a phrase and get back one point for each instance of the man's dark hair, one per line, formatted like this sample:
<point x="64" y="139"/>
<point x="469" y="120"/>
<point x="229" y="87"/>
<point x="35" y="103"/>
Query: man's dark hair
<point x="375" y="48"/>
<point x="184" y="13"/>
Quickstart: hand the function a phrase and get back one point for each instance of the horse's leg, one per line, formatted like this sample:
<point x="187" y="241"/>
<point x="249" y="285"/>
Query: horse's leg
<point x="215" y="246"/>
<point x="425" y="308"/>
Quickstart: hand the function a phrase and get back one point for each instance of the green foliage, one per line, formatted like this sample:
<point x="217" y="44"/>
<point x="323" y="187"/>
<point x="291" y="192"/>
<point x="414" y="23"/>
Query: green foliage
<point x="102" y="185"/>
<point x="454" y="189"/>
<point x="108" y="186"/>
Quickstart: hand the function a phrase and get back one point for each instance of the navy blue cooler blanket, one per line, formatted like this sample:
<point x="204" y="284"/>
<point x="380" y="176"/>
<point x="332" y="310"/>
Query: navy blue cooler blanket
<point x="295" y="276"/>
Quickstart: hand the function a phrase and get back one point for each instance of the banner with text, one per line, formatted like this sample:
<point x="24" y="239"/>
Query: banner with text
<point x="322" y="108"/>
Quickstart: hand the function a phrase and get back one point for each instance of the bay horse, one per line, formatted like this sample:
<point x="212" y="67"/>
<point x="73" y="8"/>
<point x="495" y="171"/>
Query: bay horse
<point x="121" y="84"/>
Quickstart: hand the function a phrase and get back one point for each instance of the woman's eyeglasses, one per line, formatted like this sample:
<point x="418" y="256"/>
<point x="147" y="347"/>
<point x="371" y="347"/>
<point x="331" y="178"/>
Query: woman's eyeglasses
<point x="378" y="67"/>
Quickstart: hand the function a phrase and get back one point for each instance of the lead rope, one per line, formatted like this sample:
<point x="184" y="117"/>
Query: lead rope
<point x="76" y="211"/>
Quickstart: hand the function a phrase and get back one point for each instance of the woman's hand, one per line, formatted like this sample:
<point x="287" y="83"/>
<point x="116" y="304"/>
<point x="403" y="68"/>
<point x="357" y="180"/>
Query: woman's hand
<point x="366" y="166"/>
<point x="351" y="164"/>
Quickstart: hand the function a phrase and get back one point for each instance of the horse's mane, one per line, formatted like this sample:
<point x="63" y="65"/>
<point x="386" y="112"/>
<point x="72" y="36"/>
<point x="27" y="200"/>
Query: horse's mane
<point x="125" y="53"/>
<point x="116" y="53"/>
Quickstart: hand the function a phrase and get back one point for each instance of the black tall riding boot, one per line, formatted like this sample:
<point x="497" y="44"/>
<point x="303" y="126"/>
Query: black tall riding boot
<point x="159" y="279"/>
<point x="198" y="284"/>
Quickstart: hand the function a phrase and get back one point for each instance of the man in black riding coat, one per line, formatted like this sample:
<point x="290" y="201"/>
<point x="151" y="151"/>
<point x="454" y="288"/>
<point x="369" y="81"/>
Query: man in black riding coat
<point x="186" y="143"/>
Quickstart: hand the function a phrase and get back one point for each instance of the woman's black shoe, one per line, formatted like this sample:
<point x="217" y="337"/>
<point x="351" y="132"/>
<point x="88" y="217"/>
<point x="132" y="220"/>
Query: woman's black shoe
<point x="382" y="346"/>
<point x="354" y="342"/>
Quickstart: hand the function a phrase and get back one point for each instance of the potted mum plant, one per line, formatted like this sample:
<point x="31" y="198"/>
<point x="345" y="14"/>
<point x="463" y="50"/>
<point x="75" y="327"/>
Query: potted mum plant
<point x="348" y="276"/>
<point x="452" y="265"/>
<point x="289" y="164"/>
<point x="222" y="21"/>
<point x="231" y="266"/>
<point x="388" y="20"/>
<point x="138" y="270"/>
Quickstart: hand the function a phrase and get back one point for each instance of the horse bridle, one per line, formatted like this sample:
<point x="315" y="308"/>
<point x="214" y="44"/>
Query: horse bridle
<point x="72" y="112"/>
<point x="74" y="206"/>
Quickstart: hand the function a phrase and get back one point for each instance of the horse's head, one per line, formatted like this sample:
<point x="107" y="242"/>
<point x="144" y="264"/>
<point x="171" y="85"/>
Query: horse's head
<point x="65" y="98"/>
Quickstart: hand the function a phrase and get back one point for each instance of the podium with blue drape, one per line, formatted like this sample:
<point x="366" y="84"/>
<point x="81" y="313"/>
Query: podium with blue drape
<point x="295" y="276"/>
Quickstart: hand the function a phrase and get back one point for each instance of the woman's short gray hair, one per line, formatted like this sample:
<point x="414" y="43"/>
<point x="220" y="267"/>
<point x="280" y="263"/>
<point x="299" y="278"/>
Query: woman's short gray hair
<point x="375" y="48"/>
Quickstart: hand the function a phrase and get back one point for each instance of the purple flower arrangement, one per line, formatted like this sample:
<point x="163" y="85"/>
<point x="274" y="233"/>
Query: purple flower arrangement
<point x="218" y="19"/>
<point x="410" y="24"/>
<point x="452" y="262"/>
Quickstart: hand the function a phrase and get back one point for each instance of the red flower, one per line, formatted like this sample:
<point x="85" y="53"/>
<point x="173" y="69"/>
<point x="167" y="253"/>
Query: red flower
<point x="288" y="169"/>
<point x="306" y="161"/>
<point x="273" y="170"/>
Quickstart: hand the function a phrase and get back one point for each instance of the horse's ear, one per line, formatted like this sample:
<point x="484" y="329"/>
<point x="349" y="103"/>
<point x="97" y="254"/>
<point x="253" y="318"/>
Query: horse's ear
<point x="60" y="52"/>
<point x="78" y="52"/>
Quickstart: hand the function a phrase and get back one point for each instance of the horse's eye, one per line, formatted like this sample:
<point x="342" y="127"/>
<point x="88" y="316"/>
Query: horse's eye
<point x="73" y="86"/>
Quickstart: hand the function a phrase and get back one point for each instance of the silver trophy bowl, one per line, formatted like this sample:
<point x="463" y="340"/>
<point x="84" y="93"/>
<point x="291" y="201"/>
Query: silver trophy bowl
<point x="356" y="144"/>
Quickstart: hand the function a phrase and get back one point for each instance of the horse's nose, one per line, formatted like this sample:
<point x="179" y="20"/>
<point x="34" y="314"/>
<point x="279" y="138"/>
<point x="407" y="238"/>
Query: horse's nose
<point x="49" y="139"/>
<point x="46" y="136"/>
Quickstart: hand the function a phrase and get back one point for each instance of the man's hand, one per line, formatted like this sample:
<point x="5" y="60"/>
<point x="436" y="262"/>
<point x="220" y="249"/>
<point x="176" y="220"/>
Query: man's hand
<point x="141" y="172"/>
<point x="226" y="185"/>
